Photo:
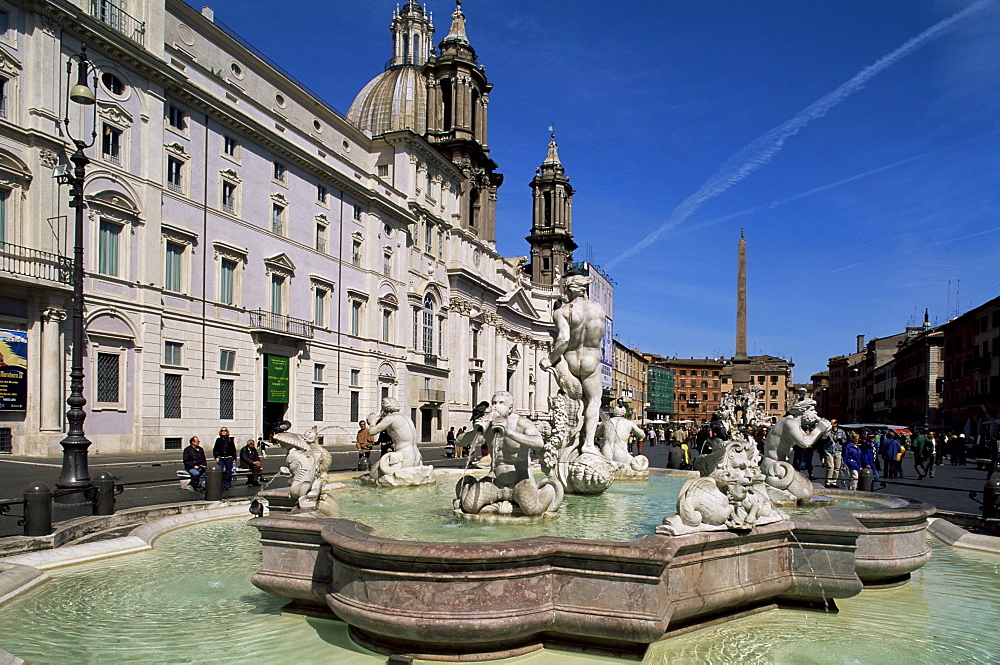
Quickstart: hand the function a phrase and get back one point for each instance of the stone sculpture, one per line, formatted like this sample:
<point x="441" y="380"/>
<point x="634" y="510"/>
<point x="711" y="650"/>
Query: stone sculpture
<point x="403" y="467"/>
<point x="307" y="463"/>
<point x="614" y="434"/>
<point x="788" y="432"/>
<point x="731" y="492"/>
<point x="510" y="491"/>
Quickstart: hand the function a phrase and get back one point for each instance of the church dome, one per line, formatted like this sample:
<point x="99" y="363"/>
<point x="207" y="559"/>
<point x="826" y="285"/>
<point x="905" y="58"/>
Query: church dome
<point x="395" y="99"/>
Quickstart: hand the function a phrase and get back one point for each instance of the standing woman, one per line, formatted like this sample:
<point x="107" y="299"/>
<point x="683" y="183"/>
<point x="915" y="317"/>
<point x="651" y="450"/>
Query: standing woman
<point x="224" y="452"/>
<point x="852" y="460"/>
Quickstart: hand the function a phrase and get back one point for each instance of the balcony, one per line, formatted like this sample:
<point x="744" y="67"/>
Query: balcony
<point x="432" y="396"/>
<point x="279" y="323"/>
<point x="430" y="359"/>
<point x="110" y="12"/>
<point x="476" y="365"/>
<point x="26" y="262"/>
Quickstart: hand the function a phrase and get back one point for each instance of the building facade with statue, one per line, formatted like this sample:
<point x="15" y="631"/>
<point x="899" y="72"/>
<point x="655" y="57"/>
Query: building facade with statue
<point x="252" y="254"/>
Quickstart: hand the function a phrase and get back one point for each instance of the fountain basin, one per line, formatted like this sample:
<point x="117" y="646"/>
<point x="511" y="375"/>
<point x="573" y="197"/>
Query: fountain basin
<point x="449" y="599"/>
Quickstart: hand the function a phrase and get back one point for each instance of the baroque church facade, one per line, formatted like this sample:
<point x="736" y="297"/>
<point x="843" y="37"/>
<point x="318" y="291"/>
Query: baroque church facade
<point x="252" y="255"/>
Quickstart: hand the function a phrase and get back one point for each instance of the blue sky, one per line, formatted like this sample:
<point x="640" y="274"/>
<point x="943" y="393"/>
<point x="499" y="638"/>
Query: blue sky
<point x="862" y="195"/>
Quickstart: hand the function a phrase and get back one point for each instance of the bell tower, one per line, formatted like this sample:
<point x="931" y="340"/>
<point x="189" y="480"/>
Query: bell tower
<point x="551" y="236"/>
<point x="457" y="101"/>
<point x="412" y="35"/>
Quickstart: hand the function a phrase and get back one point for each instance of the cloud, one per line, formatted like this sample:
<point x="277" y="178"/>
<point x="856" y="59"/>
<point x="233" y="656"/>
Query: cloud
<point x="763" y="149"/>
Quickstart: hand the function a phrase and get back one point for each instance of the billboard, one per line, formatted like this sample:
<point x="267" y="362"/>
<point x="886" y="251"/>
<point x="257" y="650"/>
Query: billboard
<point x="602" y="291"/>
<point x="13" y="370"/>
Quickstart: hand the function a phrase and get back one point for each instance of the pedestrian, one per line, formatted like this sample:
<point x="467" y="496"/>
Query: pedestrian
<point x="364" y="442"/>
<point x="262" y="447"/>
<point x="651" y="436"/>
<point x="852" y="461"/>
<point x="384" y="443"/>
<point x="224" y="453"/>
<point x="677" y="457"/>
<point x="993" y="446"/>
<point x="250" y="460"/>
<point x="960" y="451"/>
<point x="195" y="463"/>
<point x="449" y="449"/>
<point x="833" y="450"/>
<point x="868" y="449"/>
<point x="923" y="454"/>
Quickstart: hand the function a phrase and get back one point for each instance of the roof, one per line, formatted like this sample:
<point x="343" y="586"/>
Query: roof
<point x="395" y="99"/>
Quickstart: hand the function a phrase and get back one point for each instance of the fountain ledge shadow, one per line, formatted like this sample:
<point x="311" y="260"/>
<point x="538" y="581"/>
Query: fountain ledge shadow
<point x="490" y="600"/>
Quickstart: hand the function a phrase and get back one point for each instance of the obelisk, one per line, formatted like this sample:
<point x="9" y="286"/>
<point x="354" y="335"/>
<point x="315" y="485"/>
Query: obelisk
<point x="741" y="363"/>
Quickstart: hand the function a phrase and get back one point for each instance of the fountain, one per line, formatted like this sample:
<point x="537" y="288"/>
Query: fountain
<point x="726" y="552"/>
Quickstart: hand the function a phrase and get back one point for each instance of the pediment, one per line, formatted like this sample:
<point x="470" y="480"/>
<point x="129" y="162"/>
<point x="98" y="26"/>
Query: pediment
<point x="281" y="262"/>
<point x="518" y="301"/>
<point x="9" y="65"/>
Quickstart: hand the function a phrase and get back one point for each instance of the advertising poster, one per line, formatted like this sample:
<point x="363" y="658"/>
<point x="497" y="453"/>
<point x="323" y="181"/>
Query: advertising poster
<point x="13" y="370"/>
<point x="277" y="379"/>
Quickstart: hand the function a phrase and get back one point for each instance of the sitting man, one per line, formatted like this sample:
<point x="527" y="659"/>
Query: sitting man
<point x="195" y="463"/>
<point x="250" y="459"/>
<point x="510" y="438"/>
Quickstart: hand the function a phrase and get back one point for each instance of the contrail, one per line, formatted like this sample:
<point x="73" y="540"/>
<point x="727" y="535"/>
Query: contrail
<point x="763" y="149"/>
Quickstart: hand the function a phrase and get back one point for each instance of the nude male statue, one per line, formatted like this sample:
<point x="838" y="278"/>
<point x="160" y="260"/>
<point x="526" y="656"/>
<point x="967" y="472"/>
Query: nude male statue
<point x="783" y="436"/>
<point x="511" y="437"/>
<point x="402" y="432"/>
<point x="576" y="353"/>
<point x="615" y="432"/>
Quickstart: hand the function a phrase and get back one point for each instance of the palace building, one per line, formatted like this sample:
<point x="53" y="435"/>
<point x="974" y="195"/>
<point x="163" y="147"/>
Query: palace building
<point x="253" y="255"/>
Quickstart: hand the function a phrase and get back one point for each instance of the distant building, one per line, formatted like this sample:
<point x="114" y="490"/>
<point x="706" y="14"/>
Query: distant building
<point x="769" y="374"/>
<point x="660" y="387"/>
<point x="697" y="387"/>
<point x="629" y="380"/>
<point x="821" y="390"/>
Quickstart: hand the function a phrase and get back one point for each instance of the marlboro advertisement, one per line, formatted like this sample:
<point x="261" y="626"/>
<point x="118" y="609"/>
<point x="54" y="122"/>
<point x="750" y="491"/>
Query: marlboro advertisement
<point x="13" y="370"/>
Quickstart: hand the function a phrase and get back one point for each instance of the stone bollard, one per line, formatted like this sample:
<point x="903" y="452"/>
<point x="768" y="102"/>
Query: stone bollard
<point x="866" y="480"/>
<point x="991" y="500"/>
<point x="37" y="510"/>
<point x="213" y="483"/>
<point x="104" y="501"/>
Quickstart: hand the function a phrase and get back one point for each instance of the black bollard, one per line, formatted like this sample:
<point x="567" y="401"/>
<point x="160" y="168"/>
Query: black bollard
<point x="104" y="502"/>
<point x="866" y="480"/>
<point x="213" y="483"/>
<point x="991" y="500"/>
<point x="37" y="510"/>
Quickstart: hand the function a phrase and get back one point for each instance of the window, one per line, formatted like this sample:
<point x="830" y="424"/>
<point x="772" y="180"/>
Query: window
<point x="387" y="264"/>
<point x="356" y="253"/>
<point x="318" y="370"/>
<point x="428" y="232"/>
<point x="3" y="97"/>
<point x="774" y="394"/>
<point x="111" y="144"/>
<point x="171" y="395"/>
<point x="280" y="172"/>
<point x="227" y="282"/>
<point x="440" y="244"/>
<point x="357" y="213"/>
<point x="277" y="218"/>
<point x="107" y="248"/>
<point x="177" y="118"/>
<point x="386" y="325"/>
<point x="441" y="337"/>
<point x="229" y="197"/>
<point x="174" y="174"/>
<point x="760" y="380"/>
<point x="226" y="393"/>
<point x="319" y="309"/>
<point x="317" y="404"/>
<point x="475" y="343"/>
<point x="355" y="380"/>
<point x="172" y="266"/>
<point x="111" y="83"/>
<point x="230" y="146"/>
<point x="173" y="443"/>
<point x="774" y="380"/>
<point x="4" y="22"/>
<point x="227" y="360"/>
<point x="355" y="405"/>
<point x="428" y="324"/>
<point x="355" y="318"/>
<point x="774" y="406"/>
<point x="416" y="322"/>
<point x="277" y="294"/>
<point x="108" y="378"/>
<point x="321" y="238"/>
<point x="321" y="194"/>
<point x="172" y="353"/>
<point x="383" y="170"/>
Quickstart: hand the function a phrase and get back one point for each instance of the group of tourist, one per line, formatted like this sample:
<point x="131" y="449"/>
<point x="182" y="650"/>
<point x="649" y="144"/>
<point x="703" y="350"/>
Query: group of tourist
<point x="227" y="459"/>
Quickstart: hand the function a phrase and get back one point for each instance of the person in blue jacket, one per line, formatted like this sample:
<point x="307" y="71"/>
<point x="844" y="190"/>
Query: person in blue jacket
<point x="868" y="447"/>
<point x="852" y="460"/>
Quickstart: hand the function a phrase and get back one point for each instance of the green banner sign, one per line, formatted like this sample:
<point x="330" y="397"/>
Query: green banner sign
<point x="277" y="379"/>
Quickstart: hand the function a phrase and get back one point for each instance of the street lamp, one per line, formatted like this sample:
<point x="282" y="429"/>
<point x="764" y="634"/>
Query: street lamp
<point x="75" y="474"/>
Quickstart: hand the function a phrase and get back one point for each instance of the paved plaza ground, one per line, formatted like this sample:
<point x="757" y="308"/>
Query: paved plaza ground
<point x="150" y="479"/>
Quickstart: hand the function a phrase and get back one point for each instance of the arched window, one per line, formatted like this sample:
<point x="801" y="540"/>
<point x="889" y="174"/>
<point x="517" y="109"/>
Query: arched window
<point x="428" y="324"/>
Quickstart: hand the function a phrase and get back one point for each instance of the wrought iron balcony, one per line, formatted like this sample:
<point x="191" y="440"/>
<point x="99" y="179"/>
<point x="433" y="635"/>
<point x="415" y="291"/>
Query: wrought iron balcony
<point x="430" y="359"/>
<point x="432" y="396"/>
<point x="28" y="262"/>
<point x="279" y="323"/>
<point x="111" y="13"/>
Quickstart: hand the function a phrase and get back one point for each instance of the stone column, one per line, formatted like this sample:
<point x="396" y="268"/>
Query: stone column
<point x="50" y="390"/>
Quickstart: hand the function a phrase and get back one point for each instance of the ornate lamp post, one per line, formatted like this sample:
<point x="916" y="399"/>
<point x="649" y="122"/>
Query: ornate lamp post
<point x="75" y="473"/>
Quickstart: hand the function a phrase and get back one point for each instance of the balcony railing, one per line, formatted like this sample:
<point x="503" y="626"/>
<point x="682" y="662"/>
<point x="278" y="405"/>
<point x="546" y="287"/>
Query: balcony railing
<point x="476" y="364"/>
<point x="280" y="323"/>
<point x="430" y="359"/>
<point x="28" y="262"/>
<point x="431" y="395"/>
<point x="111" y="13"/>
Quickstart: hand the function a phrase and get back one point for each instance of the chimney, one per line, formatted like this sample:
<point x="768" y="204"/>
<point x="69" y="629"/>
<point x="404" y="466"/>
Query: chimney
<point x="861" y="343"/>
